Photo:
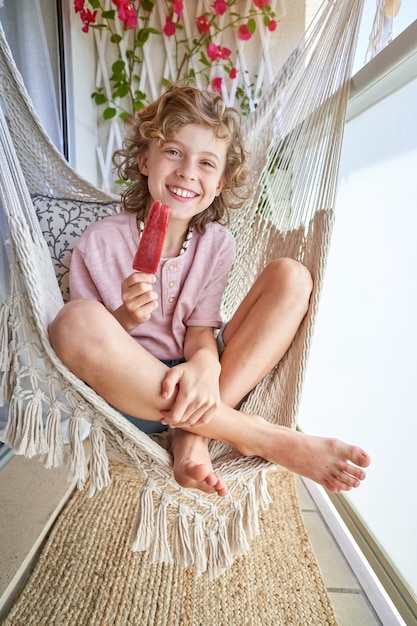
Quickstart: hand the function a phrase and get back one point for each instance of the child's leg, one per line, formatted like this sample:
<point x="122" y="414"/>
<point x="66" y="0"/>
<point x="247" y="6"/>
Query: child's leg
<point x="263" y="327"/>
<point x="256" y="338"/>
<point x="96" y="348"/>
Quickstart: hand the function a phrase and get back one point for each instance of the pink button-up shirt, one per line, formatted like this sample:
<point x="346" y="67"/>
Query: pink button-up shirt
<point x="189" y="287"/>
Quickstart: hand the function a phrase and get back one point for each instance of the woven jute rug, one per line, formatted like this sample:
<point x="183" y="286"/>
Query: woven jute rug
<point x="87" y="574"/>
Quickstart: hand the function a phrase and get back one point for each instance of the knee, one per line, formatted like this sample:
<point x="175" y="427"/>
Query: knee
<point x="292" y="278"/>
<point x="75" y="329"/>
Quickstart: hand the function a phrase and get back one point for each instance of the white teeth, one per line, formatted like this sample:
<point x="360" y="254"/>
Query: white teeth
<point x="182" y="192"/>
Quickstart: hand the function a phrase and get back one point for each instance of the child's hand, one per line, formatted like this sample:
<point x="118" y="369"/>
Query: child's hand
<point x="139" y="300"/>
<point x="196" y="385"/>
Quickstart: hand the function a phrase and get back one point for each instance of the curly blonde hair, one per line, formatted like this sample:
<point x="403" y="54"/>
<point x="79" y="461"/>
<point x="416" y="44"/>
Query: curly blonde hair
<point x="179" y="106"/>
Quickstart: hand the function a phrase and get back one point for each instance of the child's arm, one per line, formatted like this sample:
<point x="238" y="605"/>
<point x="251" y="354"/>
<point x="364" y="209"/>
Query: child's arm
<point x="196" y="382"/>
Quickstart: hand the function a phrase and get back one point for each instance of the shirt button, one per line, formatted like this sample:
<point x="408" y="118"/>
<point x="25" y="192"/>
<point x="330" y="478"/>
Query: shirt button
<point x="171" y="267"/>
<point x="171" y="299"/>
<point x="172" y="283"/>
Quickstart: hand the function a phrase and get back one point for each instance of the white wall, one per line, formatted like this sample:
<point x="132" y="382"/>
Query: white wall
<point x="361" y="379"/>
<point x="85" y="130"/>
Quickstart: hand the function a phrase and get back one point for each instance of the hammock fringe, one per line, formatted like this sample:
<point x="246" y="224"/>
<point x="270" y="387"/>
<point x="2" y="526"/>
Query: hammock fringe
<point x="182" y="543"/>
<point x="199" y="545"/>
<point x="161" y="551"/>
<point x="77" y="467"/>
<point x="99" y="464"/>
<point x="143" y="530"/>
<point x="238" y="540"/>
<point x="5" y="319"/>
<point x="53" y="434"/>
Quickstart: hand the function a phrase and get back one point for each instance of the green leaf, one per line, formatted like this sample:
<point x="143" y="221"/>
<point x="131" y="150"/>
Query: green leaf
<point x="121" y="91"/>
<point x="142" y="38"/>
<point x="251" y="26"/>
<point x="95" y="4"/>
<point x="115" y="38"/>
<point x="148" y="5"/>
<point x="204" y="60"/>
<point x="118" y="67"/>
<point x="99" y="98"/>
<point x="109" y="15"/>
<point x="109" y="113"/>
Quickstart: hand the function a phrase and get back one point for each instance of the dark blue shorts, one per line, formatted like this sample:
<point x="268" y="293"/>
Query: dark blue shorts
<point x="147" y="426"/>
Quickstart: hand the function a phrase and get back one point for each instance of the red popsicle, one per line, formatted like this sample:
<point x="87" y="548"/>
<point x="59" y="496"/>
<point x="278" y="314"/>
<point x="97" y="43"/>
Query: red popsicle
<point x="151" y="243"/>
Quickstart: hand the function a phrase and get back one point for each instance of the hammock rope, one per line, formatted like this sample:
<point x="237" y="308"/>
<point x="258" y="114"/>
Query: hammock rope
<point x="294" y="137"/>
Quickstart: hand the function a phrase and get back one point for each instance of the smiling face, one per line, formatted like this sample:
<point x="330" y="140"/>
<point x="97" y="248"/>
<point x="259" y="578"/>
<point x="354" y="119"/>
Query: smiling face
<point x="185" y="172"/>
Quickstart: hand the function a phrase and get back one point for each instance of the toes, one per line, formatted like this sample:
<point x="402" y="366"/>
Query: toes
<point x="199" y="476"/>
<point x="359" y="457"/>
<point x="211" y="480"/>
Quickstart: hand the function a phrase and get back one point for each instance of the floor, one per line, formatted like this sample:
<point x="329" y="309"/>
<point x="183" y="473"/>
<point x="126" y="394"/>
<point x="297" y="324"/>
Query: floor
<point x="349" y="601"/>
<point x="27" y="510"/>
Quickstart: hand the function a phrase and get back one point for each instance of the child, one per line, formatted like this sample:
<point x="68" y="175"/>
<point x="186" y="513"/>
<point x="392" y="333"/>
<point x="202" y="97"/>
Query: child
<point x="147" y="343"/>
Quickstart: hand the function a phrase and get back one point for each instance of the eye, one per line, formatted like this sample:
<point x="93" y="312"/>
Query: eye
<point x="208" y="164"/>
<point x="172" y="151"/>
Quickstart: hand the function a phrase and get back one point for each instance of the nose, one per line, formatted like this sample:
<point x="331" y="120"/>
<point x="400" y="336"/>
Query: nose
<point x="186" y="170"/>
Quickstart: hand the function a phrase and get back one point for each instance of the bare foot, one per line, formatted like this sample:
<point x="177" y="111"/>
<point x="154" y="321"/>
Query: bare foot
<point x="192" y="464"/>
<point x="329" y="462"/>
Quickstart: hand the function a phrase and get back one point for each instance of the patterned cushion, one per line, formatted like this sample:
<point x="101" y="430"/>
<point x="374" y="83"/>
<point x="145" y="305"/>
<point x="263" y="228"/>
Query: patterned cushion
<point x="62" y="222"/>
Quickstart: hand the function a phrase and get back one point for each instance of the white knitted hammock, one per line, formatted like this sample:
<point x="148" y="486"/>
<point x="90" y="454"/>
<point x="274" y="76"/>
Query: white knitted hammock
<point x="294" y="137"/>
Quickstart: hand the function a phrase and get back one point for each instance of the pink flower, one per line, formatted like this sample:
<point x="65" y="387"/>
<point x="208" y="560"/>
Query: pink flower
<point x="243" y="32"/>
<point x="212" y="51"/>
<point x="130" y="20"/>
<point x="126" y="13"/>
<point x="169" y="28"/>
<point x="272" y="26"/>
<point x="87" y="18"/>
<point x="202" y="23"/>
<point x="177" y="6"/>
<point x="233" y="73"/>
<point x="224" y="53"/>
<point x="215" y="52"/>
<point x="220" y="7"/>
<point x="216" y="83"/>
<point x="260" y="3"/>
<point x="78" y="5"/>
